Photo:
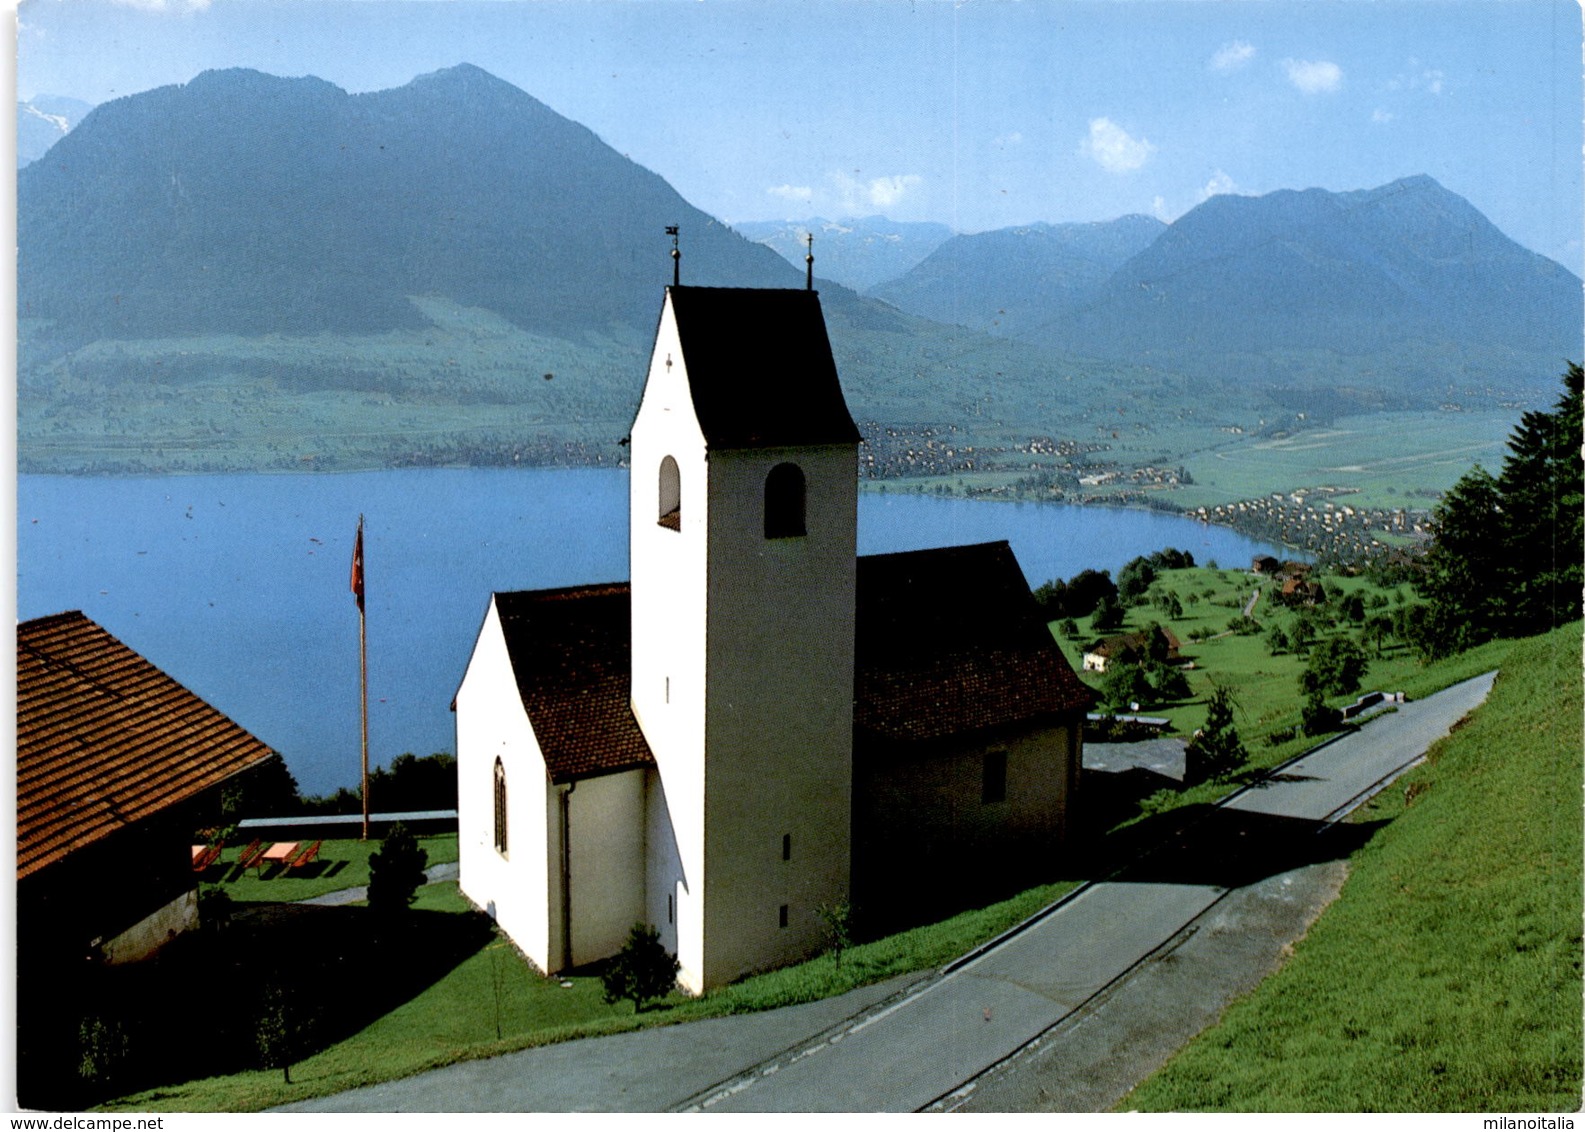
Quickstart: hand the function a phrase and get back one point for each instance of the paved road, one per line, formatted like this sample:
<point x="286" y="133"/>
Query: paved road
<point x="919" y="1047"/>
<point x="447" y="870"/>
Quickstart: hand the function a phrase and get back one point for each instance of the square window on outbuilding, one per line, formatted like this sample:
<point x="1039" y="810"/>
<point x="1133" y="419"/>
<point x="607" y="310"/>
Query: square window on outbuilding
<point x="993" y="786"/>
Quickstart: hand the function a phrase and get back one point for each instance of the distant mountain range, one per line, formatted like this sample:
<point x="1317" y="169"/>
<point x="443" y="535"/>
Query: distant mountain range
<point x="1406" y="285"/>
<point x="336" y="261"/>
<point x="1015" y="280"/>
<point x="44" y="120"/>
<point x="855" y="252"/>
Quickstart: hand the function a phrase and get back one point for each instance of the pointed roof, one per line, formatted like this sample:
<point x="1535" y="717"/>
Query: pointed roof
<point x="760" y="368"/>
<point x="105" y="739"/>
<point x="950" y="640"/>
<point x="571" y="656"/>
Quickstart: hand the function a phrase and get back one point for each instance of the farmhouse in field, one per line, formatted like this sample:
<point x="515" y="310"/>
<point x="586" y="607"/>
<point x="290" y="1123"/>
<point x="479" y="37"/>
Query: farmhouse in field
<point x="1132" y="648"/>
<point x="117" y="764"/>
<point x="760" y="723"/>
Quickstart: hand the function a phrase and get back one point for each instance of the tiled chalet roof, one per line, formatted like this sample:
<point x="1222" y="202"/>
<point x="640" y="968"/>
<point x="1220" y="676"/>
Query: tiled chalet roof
<point x="760" y="368"/>
<point x="572" y="658"/>
<point x="950" y="640"/>
<point x="104" y="739"/>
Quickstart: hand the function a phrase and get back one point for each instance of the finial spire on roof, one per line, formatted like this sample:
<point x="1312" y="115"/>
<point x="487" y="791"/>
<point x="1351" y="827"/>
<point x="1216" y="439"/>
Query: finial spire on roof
<point x="809" y="262"/>
<point x="676" y="256"/>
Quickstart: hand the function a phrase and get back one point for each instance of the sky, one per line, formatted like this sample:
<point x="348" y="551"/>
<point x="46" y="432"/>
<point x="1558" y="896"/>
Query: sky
<point x="978" y="115"/>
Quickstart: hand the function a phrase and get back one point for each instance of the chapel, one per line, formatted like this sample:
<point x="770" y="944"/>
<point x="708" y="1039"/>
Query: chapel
<point x="760" y="723"/>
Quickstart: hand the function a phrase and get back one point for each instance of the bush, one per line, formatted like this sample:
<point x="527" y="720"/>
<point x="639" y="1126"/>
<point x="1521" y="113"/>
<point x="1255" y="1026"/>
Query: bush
<point x="642" y="971"/>
<point x="1335" y="668"/>
<point x="396" y="869"/>
<point x="1318" y="719"/>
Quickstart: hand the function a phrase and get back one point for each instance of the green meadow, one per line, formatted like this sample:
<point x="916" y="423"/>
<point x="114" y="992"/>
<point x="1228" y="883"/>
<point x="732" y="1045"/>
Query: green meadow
<point x="1446" y="977"/>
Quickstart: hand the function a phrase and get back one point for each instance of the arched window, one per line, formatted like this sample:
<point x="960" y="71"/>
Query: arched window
<point x="670" y="495"/>
<point x="500" y="808"/>
<point x="784" y="502"/>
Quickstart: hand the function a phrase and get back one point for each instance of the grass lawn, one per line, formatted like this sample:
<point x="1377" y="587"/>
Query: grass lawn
<point x="340" y="864"/>
<point x="1447" y="975"/>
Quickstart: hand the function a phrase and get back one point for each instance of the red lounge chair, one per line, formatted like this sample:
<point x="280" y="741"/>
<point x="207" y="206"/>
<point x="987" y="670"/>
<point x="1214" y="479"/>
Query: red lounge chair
<point x="209" y="856"/>
<point x="250" y="856"/>
<point x="305" y="856"/>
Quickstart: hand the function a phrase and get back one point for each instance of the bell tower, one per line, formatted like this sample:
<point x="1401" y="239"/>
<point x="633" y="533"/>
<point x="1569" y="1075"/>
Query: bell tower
<point x="743" y="528"/>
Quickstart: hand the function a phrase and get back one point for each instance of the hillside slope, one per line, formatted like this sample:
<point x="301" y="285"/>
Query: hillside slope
<point x="1447" y="977"/>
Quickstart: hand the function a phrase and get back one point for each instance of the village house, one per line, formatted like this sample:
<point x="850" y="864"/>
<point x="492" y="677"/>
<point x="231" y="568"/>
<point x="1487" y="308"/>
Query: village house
<point x="760" y="723"/>
<point x="117" y="764"/>
<point x="1132" y="648"/>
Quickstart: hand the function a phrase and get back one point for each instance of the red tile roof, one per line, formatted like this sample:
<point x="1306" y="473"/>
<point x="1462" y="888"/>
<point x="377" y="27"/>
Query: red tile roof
<point x="104" y="739"/>
<point x="950" y="641"/>
<point x="572" y="658"/>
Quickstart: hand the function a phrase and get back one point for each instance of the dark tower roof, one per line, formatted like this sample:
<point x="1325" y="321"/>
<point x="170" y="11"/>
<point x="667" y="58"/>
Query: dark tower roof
<point x="760" y="368"/>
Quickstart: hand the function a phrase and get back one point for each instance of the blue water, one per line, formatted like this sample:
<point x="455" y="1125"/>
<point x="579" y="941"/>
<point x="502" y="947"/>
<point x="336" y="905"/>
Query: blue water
<point x="238" y="585"/>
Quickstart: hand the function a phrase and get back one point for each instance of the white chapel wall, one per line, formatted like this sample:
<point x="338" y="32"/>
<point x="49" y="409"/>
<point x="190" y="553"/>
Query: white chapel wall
<point x="491" y="723"/>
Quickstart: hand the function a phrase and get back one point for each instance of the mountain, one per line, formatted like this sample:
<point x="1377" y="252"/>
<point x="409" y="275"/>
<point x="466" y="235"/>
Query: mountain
<point x="1369" y="278"/>
<point x="1014" y="279"/>
<point x="857" y="253"/>
<point x="44" y="120"/>
<point x="243" y="203"/>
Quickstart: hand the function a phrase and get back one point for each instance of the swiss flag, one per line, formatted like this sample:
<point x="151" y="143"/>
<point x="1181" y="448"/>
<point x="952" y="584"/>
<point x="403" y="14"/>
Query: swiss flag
<point x="357" y="565"/>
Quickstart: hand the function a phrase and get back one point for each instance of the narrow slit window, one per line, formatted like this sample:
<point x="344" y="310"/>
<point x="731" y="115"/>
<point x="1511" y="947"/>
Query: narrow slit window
<point x="785" y="493"/>
<point x="670" y="495"/>
<point x="786" y="846"/>
<point x="784" y="915"/>
<point x="500" y="808"/>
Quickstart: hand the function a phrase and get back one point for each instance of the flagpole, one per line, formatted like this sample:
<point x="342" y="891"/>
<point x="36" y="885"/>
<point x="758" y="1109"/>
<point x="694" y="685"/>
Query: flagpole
<point x="363" y="673"/>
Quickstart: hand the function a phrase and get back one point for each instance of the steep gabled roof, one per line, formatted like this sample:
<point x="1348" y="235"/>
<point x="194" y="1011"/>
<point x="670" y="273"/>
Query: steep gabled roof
<point x="949" y="641"/>
<point x="760" y="368"/>
<point x="105" y="739"/>
<point x="572" y="658"/>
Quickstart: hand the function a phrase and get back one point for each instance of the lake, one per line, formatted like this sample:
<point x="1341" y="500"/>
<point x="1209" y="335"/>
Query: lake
<point x="237" y="585"/>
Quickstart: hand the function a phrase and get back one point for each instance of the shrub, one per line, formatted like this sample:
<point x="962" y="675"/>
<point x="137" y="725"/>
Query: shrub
<point x="396" y="869"/>
<point x="643" y="970"/>
<point x="1216" y="750"/>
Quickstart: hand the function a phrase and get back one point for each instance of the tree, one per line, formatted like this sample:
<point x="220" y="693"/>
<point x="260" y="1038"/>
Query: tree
<point x="1108" y="616"/>
<point x="643" y="970"/>
<point x="1133" y="580"/>
<point x="1123" y="685"/>
<point x="1335" y="668"/>
<point x="1317" y="718"/>
<point x="838" y="921"/>
<point x="280" y="1028"/>
<point x="1542" y="488"/>
<point x="1215" y="751"/>
<point x="396" y="869"/>
<point x="1276" y="640"/>
<point x="1464" y="566"/>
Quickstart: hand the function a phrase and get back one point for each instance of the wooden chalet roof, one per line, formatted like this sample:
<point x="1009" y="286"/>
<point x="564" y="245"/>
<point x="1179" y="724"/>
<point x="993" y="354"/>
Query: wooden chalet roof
<point x="105" y="739"/>
<point x="949" y="641"/>
<point x="760" y="368"/>
<point x="571" y="654"/>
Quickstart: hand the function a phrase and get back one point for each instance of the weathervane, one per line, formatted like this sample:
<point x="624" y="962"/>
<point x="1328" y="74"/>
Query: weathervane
<point x="676" y="255"/>
<point x="809" y="262"/>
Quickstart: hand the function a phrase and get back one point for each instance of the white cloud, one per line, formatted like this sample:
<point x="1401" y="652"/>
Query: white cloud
<point x="1113" y="149"/>
<point x="1219" y="185"/>
<point x="1318" y="77"/>
<point x="792" y="192"/>
<point x="1014" y="138"/>
<point x="1159" y="207"/>
<point x="164" y="5"/>
<point x="1232" y="56"/>
<point x="878" y="192"/>
<point x="1381" y="117"/>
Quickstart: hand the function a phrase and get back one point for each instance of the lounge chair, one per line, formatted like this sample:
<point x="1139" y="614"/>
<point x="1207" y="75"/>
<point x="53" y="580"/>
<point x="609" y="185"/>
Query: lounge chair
<point x="305" y="856"/>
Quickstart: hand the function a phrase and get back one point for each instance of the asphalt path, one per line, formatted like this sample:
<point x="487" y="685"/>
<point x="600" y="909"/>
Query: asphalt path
<point x="926" y="1043"/>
